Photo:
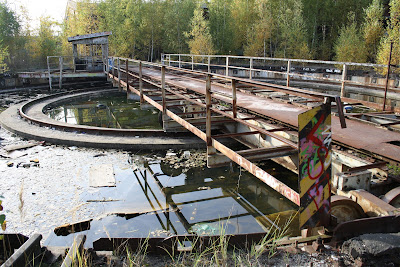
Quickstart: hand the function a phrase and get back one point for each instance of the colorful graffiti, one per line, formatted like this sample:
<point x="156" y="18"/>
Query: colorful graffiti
<point x="315" y="157"/>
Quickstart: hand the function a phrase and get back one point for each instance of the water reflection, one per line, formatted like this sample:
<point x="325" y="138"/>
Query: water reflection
<point x="154" y="201"/>
<point x="113" y="111"/>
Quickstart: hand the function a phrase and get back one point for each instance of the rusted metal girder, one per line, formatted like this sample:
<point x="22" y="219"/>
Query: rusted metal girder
<point x="274" y="183"/>
<point x="216" y="110"/>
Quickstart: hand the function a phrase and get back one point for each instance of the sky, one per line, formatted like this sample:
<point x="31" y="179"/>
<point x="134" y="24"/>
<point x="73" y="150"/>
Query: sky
<point x="37" y="8"/>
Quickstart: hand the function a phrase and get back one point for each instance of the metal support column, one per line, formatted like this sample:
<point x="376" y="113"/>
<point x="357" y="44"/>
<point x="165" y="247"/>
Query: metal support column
<point x="289" y="65"/>
<point x="234" y="99"/>
<point x="227" y="66"/>
<point x="251" y="69"/>
<point x="119" y="74"/>
<point x="127" y="74"/>
<point x="387" y="76"/>
<point x="192" y="63"/>
<point x="61" y="62"/>
<point x="344" y="75"/>
<point x="210" y="149"/>
<point x="179" y="59"/>
<point x="208" y="64"/>
<point x="141" y="82"/>
<point x="49" y="72"/>
<point x="164" y="105"/>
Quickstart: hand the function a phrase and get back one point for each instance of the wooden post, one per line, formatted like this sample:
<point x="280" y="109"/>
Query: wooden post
<point x="127" y="74"/>
<point x="192" y="63"/>
<point x="49" y="72"/>
<point x="61" y="62"/>
<point x="227" y="67"/>
<point x="289" y="63"/>
<point x="113" y="67"/>
<point x="164" y="104"/>
<point x="141" y="82"/>
<point x="208" y="65"/>
<point x="208" y="110"/>
<point x="119" y="74"/>
<point x="387" y="76"/>
<point x="234" y="99"/>
<point x="344" y="75"/>
<point x="74" y="63"/>
<point x="251" y="69"/>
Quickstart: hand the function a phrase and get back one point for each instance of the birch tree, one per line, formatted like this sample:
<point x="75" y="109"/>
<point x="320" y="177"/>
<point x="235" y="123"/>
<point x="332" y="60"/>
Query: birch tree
<point x="200" y="40"/>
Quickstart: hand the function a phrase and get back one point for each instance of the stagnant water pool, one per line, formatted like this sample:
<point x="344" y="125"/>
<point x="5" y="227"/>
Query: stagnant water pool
<point x="155" y="199"/>
<point x="113" y="111"/>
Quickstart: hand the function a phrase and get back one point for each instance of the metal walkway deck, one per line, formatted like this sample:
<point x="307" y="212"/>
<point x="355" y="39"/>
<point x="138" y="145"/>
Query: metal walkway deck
<point x="195" y="99"/>
<point x="358" y="135"/>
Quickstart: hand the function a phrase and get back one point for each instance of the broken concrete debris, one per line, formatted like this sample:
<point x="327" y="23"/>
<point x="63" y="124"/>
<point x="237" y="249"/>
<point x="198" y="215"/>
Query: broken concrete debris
<point x="185" y="159"/>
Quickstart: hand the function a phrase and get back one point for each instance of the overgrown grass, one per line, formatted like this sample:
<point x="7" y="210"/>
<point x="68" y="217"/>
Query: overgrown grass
<point x="216" y="252"/>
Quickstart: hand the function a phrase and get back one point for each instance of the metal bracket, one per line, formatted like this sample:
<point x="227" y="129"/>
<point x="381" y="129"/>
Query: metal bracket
<point x="339" y="105"/>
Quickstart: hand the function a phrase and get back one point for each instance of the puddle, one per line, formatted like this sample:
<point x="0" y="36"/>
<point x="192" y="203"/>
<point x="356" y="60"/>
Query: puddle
<point x="114" y="111"/>
<point x="160" y="201"/>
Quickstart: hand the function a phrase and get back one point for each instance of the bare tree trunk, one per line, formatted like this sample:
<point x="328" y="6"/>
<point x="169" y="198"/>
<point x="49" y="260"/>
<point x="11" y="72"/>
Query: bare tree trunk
<point x="264" y="46"/>
<point x="152" y="44"/>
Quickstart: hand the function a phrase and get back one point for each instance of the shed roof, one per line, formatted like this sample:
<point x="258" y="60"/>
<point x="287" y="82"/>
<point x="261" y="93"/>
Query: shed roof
<point x="87" y="37"/>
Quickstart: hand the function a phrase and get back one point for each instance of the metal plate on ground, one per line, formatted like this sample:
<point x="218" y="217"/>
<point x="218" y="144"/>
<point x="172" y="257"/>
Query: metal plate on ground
<point x="102" y="176"/>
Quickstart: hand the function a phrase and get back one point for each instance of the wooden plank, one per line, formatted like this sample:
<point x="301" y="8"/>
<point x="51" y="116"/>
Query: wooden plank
<point x="102" y="176"/>
<point x="10" y="148"/>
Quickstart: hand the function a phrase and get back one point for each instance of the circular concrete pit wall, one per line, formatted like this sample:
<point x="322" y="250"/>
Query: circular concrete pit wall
<point x="29" y="121"/>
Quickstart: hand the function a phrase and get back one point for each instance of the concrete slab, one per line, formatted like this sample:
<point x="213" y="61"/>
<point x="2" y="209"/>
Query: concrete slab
<point x="102" y="176"/>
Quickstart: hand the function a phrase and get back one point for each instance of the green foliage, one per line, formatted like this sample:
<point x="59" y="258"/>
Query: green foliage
<point x="373" y="28"/>
<point x="200" y="41"/>
<point x="3" y="57"/>
<point x="394" y="169"/>
<point x="243" y="18"/>
<point x="278" y="31"/>
<point x="45" y="43"/>
<point x="350" y="46"/>
<point x="9" y="30"/>
<point x="221" y="27"/>
<point x="177" y="15"/>
<point x="324" y="19"/>
<point x="393" y="35"/>
<point x="143" y="29"/>
<point x="260" y="34"/>
<point x="292" y="30"/>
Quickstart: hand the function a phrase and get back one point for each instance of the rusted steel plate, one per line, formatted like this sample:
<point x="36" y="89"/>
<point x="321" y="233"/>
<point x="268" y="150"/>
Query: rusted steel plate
<point x="315" y="158"/>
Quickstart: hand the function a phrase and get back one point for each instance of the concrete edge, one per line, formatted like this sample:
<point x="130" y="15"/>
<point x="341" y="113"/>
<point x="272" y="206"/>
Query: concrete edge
<point x="11" y="121"/>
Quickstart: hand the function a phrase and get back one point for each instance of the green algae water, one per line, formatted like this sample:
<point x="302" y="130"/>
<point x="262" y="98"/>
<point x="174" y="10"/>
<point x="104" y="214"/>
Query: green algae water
<point x="114" y="111"/>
